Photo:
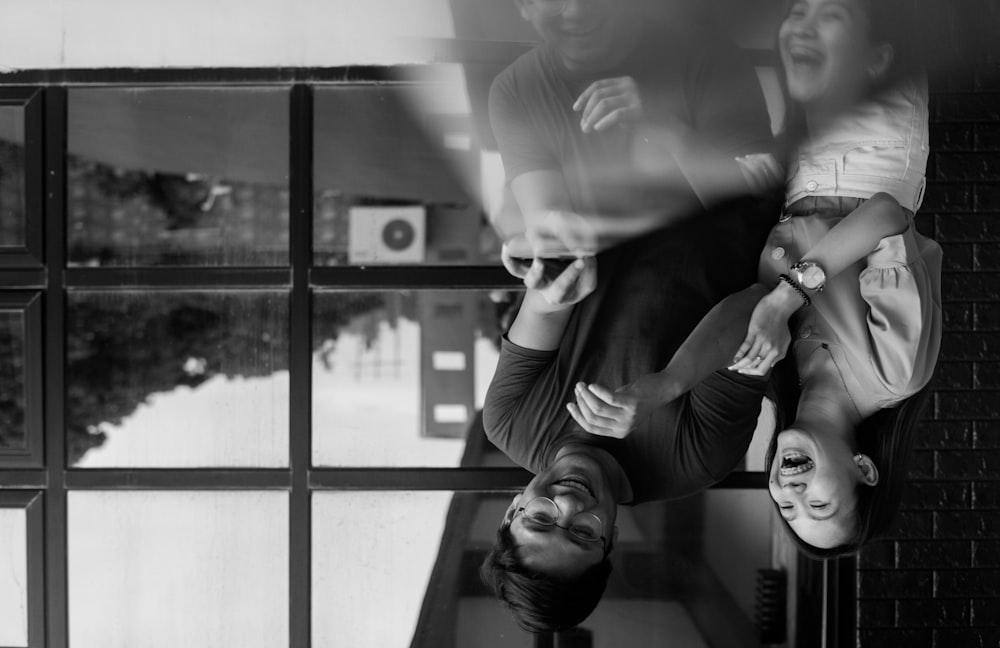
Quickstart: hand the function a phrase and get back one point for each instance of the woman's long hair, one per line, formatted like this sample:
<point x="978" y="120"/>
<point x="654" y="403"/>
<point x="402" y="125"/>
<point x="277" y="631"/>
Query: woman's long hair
<point x="887" y="437"/>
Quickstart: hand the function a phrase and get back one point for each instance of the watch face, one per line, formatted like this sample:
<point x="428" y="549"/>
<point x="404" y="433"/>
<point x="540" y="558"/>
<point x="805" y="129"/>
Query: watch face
<point x="813" y="277"/>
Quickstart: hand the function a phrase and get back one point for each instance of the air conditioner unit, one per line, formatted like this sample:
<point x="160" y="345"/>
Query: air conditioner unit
<point x="387" y="235"/>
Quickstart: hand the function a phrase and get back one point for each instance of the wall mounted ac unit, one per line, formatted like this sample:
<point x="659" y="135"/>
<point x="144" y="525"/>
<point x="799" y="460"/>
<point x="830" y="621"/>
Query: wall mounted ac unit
<point x="387" y="235"/>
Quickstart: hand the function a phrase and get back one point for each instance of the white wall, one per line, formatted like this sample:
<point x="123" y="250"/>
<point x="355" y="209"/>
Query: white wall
<point x="52" y="34"/>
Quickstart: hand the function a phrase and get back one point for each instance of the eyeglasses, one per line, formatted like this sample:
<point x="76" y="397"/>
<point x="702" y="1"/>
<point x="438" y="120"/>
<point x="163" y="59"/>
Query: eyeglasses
<point x="585" y="526"/>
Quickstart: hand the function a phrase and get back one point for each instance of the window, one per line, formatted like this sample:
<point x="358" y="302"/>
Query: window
<point x="246" y="362"/>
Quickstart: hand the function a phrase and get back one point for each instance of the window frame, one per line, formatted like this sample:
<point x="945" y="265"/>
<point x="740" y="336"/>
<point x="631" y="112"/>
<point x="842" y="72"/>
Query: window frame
<point x="29" y="255"/>
<point x="29" y="305"/>
<point x="32" y="502"/>
<point x="42" y="268"/>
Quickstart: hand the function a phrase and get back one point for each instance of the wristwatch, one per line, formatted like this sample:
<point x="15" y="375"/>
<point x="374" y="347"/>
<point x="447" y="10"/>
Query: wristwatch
<point x="809" y="275"/>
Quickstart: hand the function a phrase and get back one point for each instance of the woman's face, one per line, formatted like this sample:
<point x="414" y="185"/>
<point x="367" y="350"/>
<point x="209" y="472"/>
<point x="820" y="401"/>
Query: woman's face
<point x="826" y="51"/>
<point x="813" y="481"/>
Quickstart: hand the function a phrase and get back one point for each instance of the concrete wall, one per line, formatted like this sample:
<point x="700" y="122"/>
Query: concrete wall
<point x="52" y="34"/>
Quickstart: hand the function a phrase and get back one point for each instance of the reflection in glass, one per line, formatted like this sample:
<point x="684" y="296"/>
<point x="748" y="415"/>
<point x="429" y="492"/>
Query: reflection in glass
<point x="13" y="577"/>
<point x="12" y="179"/>
<point x="168" y="569"/>
<point x="178" y="176"/>
<point x="417" y="554"/>
<point x="399" y="376"/>
<point x="177" y="379"/>
<point x="373" y="554"/>
<point x="743" y="514"/>
<point x="12" y="399"/>
<point x="397" y="178"/>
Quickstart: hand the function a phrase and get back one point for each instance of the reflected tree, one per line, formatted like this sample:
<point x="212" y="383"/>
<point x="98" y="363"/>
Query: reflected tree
<point x="11" y="193"/>
<point x="129" y="216"/>
<point x="123" y="348"/>
<point x="11" y="386"/>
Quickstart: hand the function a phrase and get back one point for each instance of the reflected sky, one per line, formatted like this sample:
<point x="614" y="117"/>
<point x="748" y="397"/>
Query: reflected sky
<point x="13" y="577"/>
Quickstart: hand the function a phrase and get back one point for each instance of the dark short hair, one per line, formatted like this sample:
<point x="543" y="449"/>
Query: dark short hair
<point x="887" y="437"/>
<point x="538" y="602"/>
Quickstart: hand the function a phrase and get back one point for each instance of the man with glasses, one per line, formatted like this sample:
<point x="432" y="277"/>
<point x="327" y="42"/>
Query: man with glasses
<point x="565" y="116"/>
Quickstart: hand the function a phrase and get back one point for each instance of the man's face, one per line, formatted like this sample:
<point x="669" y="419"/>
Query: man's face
<point x="577" y="484"/>
<point x="590" y="35"/>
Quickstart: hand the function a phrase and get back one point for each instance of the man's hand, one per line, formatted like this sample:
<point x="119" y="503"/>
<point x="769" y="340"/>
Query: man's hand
<point x="603" y="412"/>
<point x="767" y="337"/>
<point x="555" y="258"/>
<point x="609" y="102"/>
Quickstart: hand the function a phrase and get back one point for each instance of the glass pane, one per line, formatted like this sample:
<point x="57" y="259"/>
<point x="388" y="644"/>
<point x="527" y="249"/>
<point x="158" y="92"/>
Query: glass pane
<point x="399" y="377"/>
<point x="177" y="379"/>
<point x="418" y="554"/>
<point x="13" y="577"/>
<point x="12" y="399"/>
<point x="178" y="176"/>
<point x="384" y="545"/>
<point x="178" y="569"/>
<point x="398" y="178"/>
<point x="12" y="210"/>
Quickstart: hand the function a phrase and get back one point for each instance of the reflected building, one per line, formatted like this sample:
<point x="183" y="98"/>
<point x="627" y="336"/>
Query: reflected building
<point x="11" y="193"/>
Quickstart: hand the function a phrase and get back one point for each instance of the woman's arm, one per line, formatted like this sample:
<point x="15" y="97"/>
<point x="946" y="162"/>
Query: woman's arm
<point x="849" y="241"/>
<point x="713" y="343"/>
<point x="857" y="234"/>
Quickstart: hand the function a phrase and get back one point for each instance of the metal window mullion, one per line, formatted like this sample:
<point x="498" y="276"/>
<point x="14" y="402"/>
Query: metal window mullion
<point x="420" y="479"/>
<point x="300" y="366"/>
<point x="178" y="278"/>
<point x="193" y="479"/>
<point x="55" y="613"/>
<point x="465" y="479"/>
<point x="407" y="277"/>
<point x="203" y="76"/>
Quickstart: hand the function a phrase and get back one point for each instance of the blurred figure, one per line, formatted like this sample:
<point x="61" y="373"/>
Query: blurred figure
<point x="569" y="118"/>
<point x="847" y="270"/>
<point x="573" y="117"/>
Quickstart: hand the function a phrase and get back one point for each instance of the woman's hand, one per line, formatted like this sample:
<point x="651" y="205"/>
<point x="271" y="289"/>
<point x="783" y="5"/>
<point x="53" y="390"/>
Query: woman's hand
<point x="603" y="412"/>
<point x="767" y="336"/>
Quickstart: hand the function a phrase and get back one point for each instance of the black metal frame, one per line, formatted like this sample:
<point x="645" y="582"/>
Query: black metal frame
<point x="30" y="254"/>
<point x="29" y="305"/>
<point x="40" y="484"/>
<point x="32" y="503"/>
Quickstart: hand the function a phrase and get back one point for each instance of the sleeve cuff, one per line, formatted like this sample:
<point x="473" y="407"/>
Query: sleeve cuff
<point x="895" y="251"/>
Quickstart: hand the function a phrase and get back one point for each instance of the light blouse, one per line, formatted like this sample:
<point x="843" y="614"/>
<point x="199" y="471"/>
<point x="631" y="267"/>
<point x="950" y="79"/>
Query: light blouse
<point x="879" y="145"/>
<point x="879" y="320"/>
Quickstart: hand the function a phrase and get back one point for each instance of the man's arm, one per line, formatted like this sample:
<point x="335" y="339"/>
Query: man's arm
<point x="709" y="348"/>
<point x="538" y="325"/>
<point x="719" y="419"/>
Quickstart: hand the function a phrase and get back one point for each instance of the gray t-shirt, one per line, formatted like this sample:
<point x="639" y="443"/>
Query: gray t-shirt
<point x="651" y="294"/>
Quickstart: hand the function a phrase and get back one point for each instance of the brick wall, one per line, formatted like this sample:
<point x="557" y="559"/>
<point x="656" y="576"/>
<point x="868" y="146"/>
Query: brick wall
<point x="936" y="582"/>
